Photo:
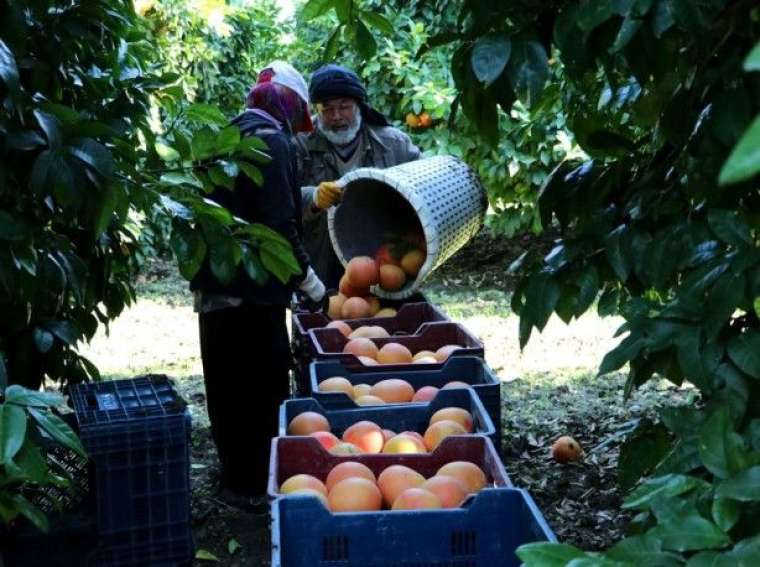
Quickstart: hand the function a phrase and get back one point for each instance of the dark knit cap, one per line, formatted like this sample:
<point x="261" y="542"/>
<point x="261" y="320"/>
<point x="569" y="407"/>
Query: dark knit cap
<point x="335" y="81"/>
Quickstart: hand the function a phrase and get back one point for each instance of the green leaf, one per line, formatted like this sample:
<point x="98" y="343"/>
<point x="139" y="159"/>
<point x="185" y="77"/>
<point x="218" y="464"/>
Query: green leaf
<point x="628" y="29"/>
<point x="176" y="178"/>
<point x="30" y="512"/>
<point x="720" y="447"/>
<point x="663" y="18"/>
<point x="253" y="172"/>
<point x="364" y="41"/>
<point x="204" y="555"/>
<point x="189" y="247"/>
<point x="30" y="463"/>
<point x="8" y="68"/>
<point x="617" y="250"/>
<point x="12" y="431"/>
<point x="744" y="160"/>
<point x="166" y="152"/>
<point x="19" y="395"/>
<point x="58" y="430"/>
<point x="64" y="330"/>
<point x="205" y="114"/>
<point x="724" y="298"/>
<point x="279" y="260"/>
<point x="641" y="550"/>
<point x="3" y="373"/>
<point x="658" y="487"/>
<point x="51" y="127"/>
<point x="253" y="266"/>
<point x="744" y="351"/>
<point x="227" y="140"/>
<point x="43" y="339"/>
<point x="729" y="227"/>
<point x="641" y="452"/>
<point x="315" y="8"/>
<point x="95" y="155"/>
<point x="220" y="178"/>
<point x="12" y="229"/>
<point x="627" y="350"/>
<point x="379" y="22"/>
<point x="689" y="532"/>
<point x="109" y="202"/>
<point x="744" y="486"/>
<point x="233" y="546"/>
<point x="203" y="143"/>
<point x="752" y="62"/>
<point x="725" y="513"/>
<point x="225" y="255"/>
<point x="489" y="56"/>
<point x="746" y="553"/>
<point x="331" y="47"/>
<point x="548" y="554"/>
<point x="528" y="70"/>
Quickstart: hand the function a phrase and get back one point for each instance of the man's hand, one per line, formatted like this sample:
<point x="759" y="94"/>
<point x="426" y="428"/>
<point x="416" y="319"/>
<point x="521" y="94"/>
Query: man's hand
<point x="327" y="194"/>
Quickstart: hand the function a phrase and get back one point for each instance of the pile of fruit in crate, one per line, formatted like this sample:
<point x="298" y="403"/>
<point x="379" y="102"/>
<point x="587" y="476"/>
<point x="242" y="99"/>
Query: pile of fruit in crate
<point x="389" y="391"/>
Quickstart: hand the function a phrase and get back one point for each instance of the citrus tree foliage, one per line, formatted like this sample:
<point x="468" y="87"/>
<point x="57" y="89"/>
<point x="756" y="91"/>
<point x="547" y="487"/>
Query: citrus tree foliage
<point x="406" y="86"/>
<point x="80" y="161"/>
<point x="660" y="225"/>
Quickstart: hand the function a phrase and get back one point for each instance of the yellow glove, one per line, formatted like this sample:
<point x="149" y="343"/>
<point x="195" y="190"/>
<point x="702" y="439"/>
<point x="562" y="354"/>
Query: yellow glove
<point x="327" y="194"/>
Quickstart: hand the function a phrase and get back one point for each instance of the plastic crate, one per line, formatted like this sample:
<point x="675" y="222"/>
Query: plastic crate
<point x="470" y="369"/>
<point x="484" y="532"/>
<point x="396" y="417"/>
<point x="327" y="344"/>
<point x="304" y="455"/>
<point x="137" y="435"/>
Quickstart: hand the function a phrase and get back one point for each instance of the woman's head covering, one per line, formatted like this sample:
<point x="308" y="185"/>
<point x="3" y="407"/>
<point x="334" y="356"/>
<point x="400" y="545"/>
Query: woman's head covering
<point x="335" y="81"/>
<point x="281" y="92"/>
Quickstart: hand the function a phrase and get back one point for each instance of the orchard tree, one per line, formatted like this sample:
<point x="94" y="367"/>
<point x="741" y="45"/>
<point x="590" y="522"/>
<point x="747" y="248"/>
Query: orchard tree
<point x="661" y="225"/>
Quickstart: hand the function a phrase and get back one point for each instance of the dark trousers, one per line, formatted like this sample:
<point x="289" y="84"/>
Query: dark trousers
<point x="246" y="359"/>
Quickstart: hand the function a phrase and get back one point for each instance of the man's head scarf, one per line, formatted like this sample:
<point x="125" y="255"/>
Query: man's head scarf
<point x="334" y="81"/>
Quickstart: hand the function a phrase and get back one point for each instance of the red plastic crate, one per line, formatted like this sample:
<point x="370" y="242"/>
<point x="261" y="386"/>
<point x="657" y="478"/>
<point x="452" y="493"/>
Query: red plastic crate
<point x="304" y="455"/>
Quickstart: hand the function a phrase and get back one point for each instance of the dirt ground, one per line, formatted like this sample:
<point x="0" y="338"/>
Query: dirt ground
<point x="548" y="390"/>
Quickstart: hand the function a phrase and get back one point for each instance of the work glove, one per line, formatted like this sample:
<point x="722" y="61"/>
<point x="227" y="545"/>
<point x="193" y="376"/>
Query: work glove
<point x="314" y="291"/>
<point x="327" y="194"/>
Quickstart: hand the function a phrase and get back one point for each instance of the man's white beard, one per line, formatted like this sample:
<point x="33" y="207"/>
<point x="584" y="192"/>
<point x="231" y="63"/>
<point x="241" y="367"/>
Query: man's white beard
<point x="343" y="137"/>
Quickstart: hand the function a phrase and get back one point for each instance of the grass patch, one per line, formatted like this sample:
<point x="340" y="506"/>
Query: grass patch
<point x="461" y="303"/>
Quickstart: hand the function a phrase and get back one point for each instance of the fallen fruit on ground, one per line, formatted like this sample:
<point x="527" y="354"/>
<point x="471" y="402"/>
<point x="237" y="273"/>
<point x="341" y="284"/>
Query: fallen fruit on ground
<point x="566" y="450"/>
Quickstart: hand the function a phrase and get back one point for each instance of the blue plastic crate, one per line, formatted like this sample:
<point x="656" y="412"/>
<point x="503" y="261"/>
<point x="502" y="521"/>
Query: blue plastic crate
<point x="137" y="434"/>
<point x="396" y="417"/>
<point x="470" y="369"/>
<point x="484" y="532"/>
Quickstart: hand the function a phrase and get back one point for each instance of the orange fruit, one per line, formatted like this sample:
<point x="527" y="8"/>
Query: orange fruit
<point x="366" y="435"/>
<point x="344" y="448"/>
<point x="394" y="353"/>
<point x="455" y="384"/>
<point x="417" y="499"/>
<point x="342" y="326"/>
<point x="361" y="390"/>
<point x="337" y="384"/>
<point x="403" y="444"/>
<point x="301" y="481"/>
<point x="439" y="430"/>
<point x="425" y="394"/>
<point x="368" y="400"/>
<point x="355" y="495"/>
<point x="308" y="422"/>
<point x="566" y="449"/>
<point x="348" y="469"/>
<point x="369" y="332"/>
<point x="412" y="120"/>
<point x="468" y="473"/>
<point x="412" y="261"/>
<point x="393" y="391"/>
<point x="335" y="306"/>
<point x="361" y="272"/>
<point x="392" y="278"/>
<point x="460" y="415"/>
<point x="325" y="438"/>
<point x="386" y="312"/>
<point x="395" y="479"/>
<point x="361" y="347"/>
<point x="355" y="308"/>
<point x="425" y="120"/>
<point x="347" y="289"/>
<point x="451" y="491"/>
<point x="445" y="352"/>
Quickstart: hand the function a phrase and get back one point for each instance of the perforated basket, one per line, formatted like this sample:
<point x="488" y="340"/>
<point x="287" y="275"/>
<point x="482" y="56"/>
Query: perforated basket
<point x="439" y="196"/>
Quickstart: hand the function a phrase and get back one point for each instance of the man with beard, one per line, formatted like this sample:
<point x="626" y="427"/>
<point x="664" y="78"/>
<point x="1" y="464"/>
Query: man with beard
<point x="348" y="134"/>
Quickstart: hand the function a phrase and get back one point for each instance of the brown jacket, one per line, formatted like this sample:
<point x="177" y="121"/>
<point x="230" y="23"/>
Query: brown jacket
<point x="384" y="146"/>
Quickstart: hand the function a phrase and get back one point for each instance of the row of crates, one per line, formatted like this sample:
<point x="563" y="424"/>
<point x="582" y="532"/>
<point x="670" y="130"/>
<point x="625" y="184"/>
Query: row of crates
<point x="488" y="527"/>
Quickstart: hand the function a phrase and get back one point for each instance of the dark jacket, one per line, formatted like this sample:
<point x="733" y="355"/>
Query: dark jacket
<point x="276" y="204"/>
<point x="384" y="146"/>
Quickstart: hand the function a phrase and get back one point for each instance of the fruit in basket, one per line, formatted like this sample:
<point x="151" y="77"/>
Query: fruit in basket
<point x="417" y="499"/>
<point x="394" y="353"/>
<point x="445" y="351"/>
<point x="439" y="430"/>
<point x="425" y="394"/>
<point x="301" y="481"/>
<point x="460" y="415"/>
<point x="355" y="495"/>
<point x="455" y="384"/>
<point x="361" y="347"/>
<point x="366" y="435"/>
<point x="341" y="326"/>
<point x="386" y="312"/>
<point x="566" y="449"/>
<point x="369" y="332"/>
<point x="393" y="391"/>
<point x="449" y="490"/>
<point x="403" y="444"/>
<point x="343" y="448"/>
<point x="349" y="290"/>
<point x="412" y="262"/>
<point x="308" y="422"/>
<point x="374" y="304"/>
<point x="337" y="384"/>
<point x="395" y="479"/>
<point x="362" y="272"/>
<point x="348" y="469"/>
<point x="335" y="306"/>
<point x="468" y="473"/>
<point x="392" y="278"/>
<point x="361" y="390"/>
<point x="369" y="400"/>
<point x="355" y="308"/>
<point x="385" y="255"/>
<point x="325" y="438"/>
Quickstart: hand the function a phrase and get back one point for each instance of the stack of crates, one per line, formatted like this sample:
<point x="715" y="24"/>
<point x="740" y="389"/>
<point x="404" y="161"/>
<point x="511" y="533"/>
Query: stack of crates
<point x="484" y="531"/>
<point x="137" y="435"/>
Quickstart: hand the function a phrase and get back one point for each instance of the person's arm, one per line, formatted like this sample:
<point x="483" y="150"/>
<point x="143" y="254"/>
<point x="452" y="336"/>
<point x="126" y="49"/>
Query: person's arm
<point x="407" y="150"/>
